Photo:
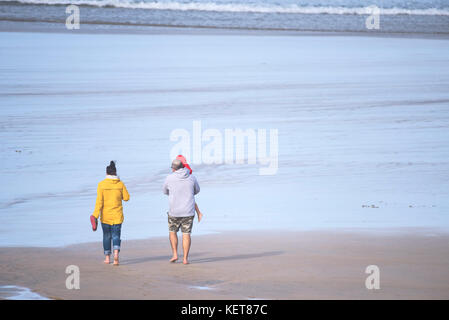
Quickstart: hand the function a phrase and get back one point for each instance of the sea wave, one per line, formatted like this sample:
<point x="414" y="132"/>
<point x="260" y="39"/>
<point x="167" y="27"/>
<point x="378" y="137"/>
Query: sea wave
<point x="235" y="7"/>
<point x="19" y="293"/>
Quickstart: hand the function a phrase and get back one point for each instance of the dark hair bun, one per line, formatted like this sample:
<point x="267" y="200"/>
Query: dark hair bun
<point x="110" y="169"/>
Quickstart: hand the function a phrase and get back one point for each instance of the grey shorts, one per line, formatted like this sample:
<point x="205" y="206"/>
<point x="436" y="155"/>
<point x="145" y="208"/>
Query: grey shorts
<point x="185" y="223"/>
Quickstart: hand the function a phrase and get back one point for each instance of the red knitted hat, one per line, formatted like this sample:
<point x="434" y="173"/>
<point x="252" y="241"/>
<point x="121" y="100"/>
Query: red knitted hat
<point x="184" y="162"/>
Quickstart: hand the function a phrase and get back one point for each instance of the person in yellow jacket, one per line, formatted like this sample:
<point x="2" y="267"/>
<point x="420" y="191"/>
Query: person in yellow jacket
<point x="110" y="193"/>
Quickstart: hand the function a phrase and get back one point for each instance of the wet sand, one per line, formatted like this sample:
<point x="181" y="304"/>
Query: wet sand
<point x="414" y="264"/>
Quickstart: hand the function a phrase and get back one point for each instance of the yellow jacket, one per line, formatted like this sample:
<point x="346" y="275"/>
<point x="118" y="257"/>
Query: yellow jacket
<point x="110" y="193"/>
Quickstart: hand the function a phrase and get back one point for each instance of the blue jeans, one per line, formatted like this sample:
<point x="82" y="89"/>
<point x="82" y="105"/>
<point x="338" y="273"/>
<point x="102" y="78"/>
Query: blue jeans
<point x="111" y="233"/>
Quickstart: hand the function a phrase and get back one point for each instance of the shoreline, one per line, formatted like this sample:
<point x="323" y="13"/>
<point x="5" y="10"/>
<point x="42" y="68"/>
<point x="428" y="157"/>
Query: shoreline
<point x="372" y="231"/>
<point x="53" y="26"/>
<point x="243" y="265"/>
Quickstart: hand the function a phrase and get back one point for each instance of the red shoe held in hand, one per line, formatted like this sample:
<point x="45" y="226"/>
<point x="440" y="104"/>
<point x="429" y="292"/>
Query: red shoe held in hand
<point x="94" y="222"/>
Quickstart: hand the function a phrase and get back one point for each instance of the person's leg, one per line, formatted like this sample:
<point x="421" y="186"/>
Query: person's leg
<point x="173" y="236"/>
<point x="107" y="237"/>
<point x="116" y="241"/>
<point x="173" y="227"/>
<point x="186" y="241"/>
<point x="186" y="228"/>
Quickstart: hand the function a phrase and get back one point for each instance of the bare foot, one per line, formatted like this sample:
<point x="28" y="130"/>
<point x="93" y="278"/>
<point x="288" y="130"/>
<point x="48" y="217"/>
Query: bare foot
<point x="107" y="260"/>
<point x="185" y="261"/>
<point x="174" y="259"/>
<point x="115" y="260"/>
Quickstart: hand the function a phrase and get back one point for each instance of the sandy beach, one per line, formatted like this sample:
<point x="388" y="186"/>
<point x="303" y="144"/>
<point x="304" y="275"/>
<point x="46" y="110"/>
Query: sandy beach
<point x="414" y="264"/>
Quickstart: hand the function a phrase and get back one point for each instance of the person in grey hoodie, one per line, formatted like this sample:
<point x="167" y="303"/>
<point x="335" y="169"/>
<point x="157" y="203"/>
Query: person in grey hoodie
<point x="181" y="188"/>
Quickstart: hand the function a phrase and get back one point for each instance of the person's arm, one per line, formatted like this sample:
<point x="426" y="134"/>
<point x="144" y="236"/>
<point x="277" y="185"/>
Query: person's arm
<point x="98" y="203"/>
<point x="125" y="193"/>
<point x="165" y="187"/>
<point x="198" y="212"/>
<point x="196" y="186"/>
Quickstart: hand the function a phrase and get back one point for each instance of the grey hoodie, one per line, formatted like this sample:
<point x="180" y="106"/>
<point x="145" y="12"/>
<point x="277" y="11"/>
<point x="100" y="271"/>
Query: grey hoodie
<point x="181" y="188"/>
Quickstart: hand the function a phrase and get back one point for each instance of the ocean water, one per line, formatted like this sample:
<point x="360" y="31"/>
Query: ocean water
<point x="419" y="16"/>
<point x="19" y="293"/>
<point x="363" y="130"/>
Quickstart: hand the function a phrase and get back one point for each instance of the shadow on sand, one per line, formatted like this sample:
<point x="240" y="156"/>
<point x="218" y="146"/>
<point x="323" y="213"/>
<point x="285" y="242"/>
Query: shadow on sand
<point x="144" y="259"/>
<point x="152" y="258"/>
<point x="237" y="257"/>
<point x="194" y="260"/>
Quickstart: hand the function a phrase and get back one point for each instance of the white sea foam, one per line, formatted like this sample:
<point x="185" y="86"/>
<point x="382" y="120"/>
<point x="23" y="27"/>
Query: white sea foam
<point x="19" y="293"/>
<point x="202" y="288"/>
<point x="235" y="7"/>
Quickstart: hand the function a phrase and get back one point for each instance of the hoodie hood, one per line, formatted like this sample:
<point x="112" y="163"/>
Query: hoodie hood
<point x="111" y="181"/>
<point x="182" y="173"/>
